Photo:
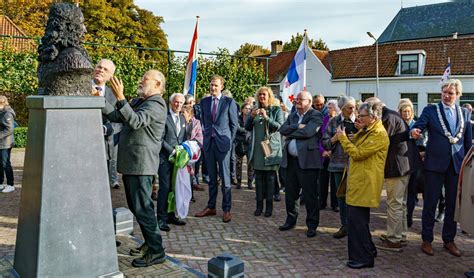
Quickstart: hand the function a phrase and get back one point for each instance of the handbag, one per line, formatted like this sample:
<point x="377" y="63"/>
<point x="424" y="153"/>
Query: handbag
<point x="266" y="148"/>
<point x="271" y="147"/>
<point x="342" y="188"/>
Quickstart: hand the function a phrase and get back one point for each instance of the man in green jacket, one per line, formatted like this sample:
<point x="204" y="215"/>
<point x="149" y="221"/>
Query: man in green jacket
<point x="138" y="156"/>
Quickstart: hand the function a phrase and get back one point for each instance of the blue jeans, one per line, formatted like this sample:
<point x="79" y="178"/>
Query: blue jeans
<point x="6" y="166"/>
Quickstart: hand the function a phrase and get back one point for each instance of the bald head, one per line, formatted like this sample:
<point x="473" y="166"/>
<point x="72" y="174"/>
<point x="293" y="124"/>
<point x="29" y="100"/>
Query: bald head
<point x="318" y="102"/>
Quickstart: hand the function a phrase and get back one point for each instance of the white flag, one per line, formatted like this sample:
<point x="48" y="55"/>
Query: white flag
<point x="295" y="79"/>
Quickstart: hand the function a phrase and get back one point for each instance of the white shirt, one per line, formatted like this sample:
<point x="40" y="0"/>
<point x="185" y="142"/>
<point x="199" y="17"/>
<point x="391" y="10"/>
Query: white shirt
<point x="292" y="149"/>
<point x="176" y="121"/>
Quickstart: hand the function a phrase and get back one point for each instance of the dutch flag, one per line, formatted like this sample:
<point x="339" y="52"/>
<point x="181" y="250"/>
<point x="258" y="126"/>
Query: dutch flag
<point x="446" y="74"/>
<point x="191" y="67"/>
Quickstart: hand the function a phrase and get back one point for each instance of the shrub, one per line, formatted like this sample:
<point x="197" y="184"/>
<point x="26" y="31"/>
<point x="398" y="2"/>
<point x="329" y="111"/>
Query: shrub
<point x="20" y="134"/>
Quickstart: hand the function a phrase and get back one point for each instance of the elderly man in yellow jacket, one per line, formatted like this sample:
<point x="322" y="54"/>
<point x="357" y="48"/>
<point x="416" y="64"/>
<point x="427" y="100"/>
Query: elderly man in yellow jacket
<point x="367" y="154"/>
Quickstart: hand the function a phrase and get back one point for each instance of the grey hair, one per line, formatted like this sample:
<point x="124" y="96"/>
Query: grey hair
<point x="373" y="108"/>
<point x="173" y="96"/>
<point x="112" y="70"/>
<point x="333" y="102"/>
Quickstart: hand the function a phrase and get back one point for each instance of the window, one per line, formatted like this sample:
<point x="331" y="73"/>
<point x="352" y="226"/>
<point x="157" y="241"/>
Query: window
<point x="414" y="99"/>
<point x="364" y="96"/>
<point x="409" y="64"/>
<point x="434" y="98"/>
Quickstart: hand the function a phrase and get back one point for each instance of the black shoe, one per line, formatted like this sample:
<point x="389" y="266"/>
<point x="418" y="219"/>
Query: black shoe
<point x="239" y="185"/>
<point x="357" y="265"/>
<point x="149" y="259"/>
<point x="140" y="251"/>
<point x="469" y="274"/>
<point x="311" y="233"/>
<point x="258" y="212"/>
<point x="163" y="226"/>
<point x="277" y="198"/>
<point x="287" y="226"/>
<point x="250" y="186"/>
<point x="335" y="209"/>
<point x="117" y="243"/>
<point x="342" y="232"/>
<point x="175" y="221"/>
<point x="233" y="181"/>
<point x="116" y="186"/>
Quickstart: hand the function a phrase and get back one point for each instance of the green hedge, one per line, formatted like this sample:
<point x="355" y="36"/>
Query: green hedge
<point x="20" y="134"/>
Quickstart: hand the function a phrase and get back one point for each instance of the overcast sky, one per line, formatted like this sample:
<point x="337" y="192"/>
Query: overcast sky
<point x="231" y="23"/>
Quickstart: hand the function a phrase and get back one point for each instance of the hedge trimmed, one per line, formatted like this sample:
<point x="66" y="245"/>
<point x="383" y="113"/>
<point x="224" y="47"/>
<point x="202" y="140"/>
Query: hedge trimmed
<point x="20" y="134"/>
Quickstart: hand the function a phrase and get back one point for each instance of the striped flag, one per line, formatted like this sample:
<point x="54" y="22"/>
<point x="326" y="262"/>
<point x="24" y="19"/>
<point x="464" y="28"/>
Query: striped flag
<point x="191" y="67"/>
<point x="446" y="74"/>
<point x="295" y="80"/>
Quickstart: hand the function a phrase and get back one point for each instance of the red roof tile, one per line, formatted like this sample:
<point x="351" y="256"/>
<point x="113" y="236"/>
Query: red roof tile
<point x="359" y="62"/>
<point x="7" y="27"/>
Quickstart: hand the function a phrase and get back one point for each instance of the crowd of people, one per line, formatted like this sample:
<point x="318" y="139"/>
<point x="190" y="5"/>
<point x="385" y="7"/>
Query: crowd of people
<point x="347" y="149"/>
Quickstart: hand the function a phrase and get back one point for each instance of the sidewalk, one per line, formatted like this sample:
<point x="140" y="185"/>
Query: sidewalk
<point x="265" y="250"/>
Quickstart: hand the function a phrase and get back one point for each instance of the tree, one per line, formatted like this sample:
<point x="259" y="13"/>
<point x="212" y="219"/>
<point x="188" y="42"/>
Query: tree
<point x="295" y="42"/>
<point x="118" y="22"/>
<point x="249" y="49"/>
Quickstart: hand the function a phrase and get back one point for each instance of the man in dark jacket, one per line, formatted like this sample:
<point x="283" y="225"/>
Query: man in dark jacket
<point x="174" y="135"/>
<point x="398" y="167"/>
<point x="302" y="161"/>
<point x="138" y="157"/>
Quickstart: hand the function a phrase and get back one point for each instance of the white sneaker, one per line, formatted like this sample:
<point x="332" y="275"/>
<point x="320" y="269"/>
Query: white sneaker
<point x="2" y="186"/>
<point x="8" y="189"/>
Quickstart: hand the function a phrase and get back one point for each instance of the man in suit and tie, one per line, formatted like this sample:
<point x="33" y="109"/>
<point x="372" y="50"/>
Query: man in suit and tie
<point x="174" y="135"/>
<point x="302" y="161"/>
<point x="219" y="121"/>
<point x="450" y="138"/>
<point x="104" y="70"/>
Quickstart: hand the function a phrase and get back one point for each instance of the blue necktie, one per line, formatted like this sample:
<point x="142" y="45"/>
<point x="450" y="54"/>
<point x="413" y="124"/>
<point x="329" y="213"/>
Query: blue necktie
<point x="450" y="118"/>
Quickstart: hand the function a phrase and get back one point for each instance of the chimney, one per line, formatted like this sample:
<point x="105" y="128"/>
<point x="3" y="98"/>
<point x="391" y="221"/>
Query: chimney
<point x="455" y="35"/>
<point x="277" y="47"/>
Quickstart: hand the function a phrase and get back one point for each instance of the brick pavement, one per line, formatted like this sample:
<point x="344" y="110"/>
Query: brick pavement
<point x="265" y="250"/>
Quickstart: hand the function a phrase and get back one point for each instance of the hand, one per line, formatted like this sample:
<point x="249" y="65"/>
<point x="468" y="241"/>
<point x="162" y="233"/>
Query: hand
<point x="415" y="133"/>
<point x="301" y="126"/>
<point x="117" y="88"/>
<point x="327" y="153"/>
<point x="173" y="152"/>
<point x="358" y="125"/>
<point x="334" y="139"/>
<point x="254" y="112"/>
<point x="340" y="131"/>
<point x="263" y="113"/>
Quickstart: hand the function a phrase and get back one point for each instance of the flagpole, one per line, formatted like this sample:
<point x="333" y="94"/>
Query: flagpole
<point x="197" y="51"/>
<point x="305" y="40"/>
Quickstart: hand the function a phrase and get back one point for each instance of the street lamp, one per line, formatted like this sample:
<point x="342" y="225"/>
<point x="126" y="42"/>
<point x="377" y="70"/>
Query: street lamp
<point x="376" y="62"/>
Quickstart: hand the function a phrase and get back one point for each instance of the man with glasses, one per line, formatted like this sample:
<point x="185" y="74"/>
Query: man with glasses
<point x="139" y="155"/>
<point x="302" y="160"/>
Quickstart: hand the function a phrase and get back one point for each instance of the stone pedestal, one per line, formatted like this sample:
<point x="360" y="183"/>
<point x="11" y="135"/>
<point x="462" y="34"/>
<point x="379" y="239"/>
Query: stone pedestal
<point x="65" y="225"/>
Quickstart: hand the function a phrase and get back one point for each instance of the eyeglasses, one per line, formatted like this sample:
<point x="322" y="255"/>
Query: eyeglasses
<point x="362" y="116"/>
<point x="301" y="99"/>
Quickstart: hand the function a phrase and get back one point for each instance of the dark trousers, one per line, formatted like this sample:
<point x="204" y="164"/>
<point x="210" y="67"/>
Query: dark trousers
<point x="359" y="242"/>
<point x="434" y="185"/>
<point x="138" y="193"/>
<point x="264" y="185"/>
<point x="6" y="166"/>
<point x="337" y="176"/>
<point x="301" y="180"/>
<point x="218" y="163"/>
<point x="164" y="180"/>
<point x="326" y="181"/>
<point x="411" y="197"/>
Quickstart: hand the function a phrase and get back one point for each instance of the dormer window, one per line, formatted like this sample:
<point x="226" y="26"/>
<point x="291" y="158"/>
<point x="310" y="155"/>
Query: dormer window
<point x="411" y="62"/>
